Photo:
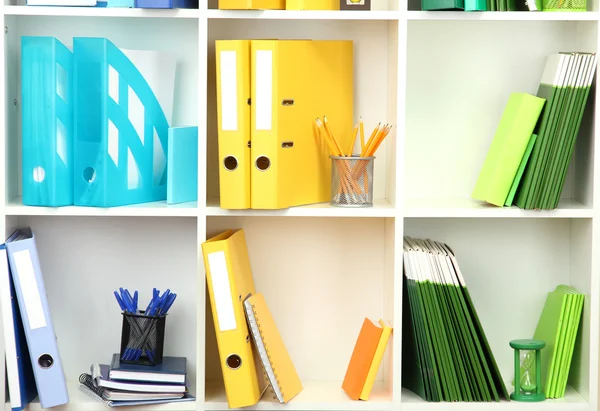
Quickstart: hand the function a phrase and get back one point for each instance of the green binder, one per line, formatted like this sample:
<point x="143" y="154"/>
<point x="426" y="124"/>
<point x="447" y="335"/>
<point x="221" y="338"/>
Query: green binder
<point x="508" y="148"/>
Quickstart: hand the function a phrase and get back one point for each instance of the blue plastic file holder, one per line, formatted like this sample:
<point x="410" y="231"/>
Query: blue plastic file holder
<point x="114" y="165"/>
<point x="182" y="165"/>
<point x="47" y="122"/>
<point x="166" y="4"/>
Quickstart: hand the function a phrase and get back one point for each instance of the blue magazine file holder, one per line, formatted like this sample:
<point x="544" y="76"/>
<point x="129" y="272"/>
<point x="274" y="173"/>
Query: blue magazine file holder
<point x="114" y="165"/>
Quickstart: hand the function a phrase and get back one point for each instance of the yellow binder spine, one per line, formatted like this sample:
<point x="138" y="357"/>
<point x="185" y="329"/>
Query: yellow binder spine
<point x="312" y="4"/>
<point x="268" y="183"/>
<point x="228" y="277"/>
<point x="233" y="107"/>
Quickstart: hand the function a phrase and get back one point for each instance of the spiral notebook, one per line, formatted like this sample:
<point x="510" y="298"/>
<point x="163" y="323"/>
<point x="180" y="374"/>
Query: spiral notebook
<point x="278" y="366"/>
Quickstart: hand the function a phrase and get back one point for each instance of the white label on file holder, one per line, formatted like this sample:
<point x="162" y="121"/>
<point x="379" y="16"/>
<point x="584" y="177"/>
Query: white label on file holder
<point x="29" y="288"/>
<point x="222" y="291"/>
<point x="229" y="104"/>
<point x="264" y="89"/>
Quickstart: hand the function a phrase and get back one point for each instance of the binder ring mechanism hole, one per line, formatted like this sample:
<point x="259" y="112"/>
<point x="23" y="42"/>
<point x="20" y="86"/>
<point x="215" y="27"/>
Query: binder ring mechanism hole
<point x="230" y="163"/>
<point x="45" y="361"/>
<point x="39" y="174"/>
<point x="263" y="163"/>
<point x="89" y="174"/>
<point x="234" y="361"/>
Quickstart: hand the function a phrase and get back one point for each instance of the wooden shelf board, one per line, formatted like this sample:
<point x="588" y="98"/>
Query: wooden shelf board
<point x="381" y="208"/>
<point x="572" y="401"/>
<point x="155" y="209"/>
<point x="315" y="395"/>
<point x="466" y="207"/>
<point x="303" y="15"/>
<point x="503" y="16"/>
<point x="100" y="12"/>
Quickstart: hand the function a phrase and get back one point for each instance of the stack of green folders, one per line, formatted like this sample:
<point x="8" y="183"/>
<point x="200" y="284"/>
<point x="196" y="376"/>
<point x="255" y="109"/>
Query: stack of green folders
<point x="528" y="159"/>
<point x="445" y="354"/>
<point x="558" y="326"/>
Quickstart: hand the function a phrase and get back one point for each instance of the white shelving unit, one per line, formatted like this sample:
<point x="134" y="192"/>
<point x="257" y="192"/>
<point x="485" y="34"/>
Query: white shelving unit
<point x="442" y="79"/>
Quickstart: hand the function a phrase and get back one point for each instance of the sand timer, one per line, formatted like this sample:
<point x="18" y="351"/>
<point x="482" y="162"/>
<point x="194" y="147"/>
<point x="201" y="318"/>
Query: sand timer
<point x="528" y="370"/>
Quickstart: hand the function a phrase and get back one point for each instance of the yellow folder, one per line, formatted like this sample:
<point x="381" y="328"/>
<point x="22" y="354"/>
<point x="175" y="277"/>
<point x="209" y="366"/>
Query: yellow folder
<point x="312" y="4"/>
<point x="377" y="358"/>
<point x="229" y="279"/>
<point x="252" y="4"/>
<point x="233" y="111"/>
<point x="276" y="361"/>
<point x="294" y="82"/>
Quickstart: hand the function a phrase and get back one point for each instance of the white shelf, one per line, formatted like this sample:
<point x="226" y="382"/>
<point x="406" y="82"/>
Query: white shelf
<point x="100" y="12"/>
<point x="503" y="16"/>
<point x="156" y="209"/>
<point x="315" y="395"/>
<point x="465" y="207"/>
<point x="381" y="208"/>
<point x="80" y="401"/>
<point x="303" y="15"/>
<point x="572" y="401"/>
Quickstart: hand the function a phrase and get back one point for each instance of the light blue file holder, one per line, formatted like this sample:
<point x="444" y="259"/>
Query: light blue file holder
<point x="182" y="165"/>
<point x="47" y="122"/>
<point x="113" y="165"/>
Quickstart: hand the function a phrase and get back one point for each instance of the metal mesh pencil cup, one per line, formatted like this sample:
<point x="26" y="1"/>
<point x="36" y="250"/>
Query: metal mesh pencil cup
<point x="142" y="339"/>
<point x="352" y="181"/>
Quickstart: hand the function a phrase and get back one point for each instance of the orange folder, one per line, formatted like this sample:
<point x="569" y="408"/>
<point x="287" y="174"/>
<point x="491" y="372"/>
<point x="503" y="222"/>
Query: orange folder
<point x="362" y="357"/>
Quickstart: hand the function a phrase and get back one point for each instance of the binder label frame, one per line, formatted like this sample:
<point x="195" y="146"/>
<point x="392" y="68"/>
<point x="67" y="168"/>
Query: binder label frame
<point x="222" y="291"/>
<point x="264" y="90"/>
<point x="229" y="105"/>
<point x="29" y="289"/>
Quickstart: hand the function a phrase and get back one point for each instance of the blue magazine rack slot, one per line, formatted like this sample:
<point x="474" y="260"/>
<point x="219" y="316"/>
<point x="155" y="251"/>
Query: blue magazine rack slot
<point x="117" y="160"/>
<point x="47" y="122"/>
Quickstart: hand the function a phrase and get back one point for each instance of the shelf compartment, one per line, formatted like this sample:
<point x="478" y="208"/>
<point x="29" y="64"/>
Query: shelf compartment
<point x="457" y="95"/>
<point x="315" y="395"/>
<point x="320" y="279"/>
<point x="154" y="209"/>
<point x="381" y="208"/>
<point x="374" y="50"/>
<point x="509" y="267"/>
<point x="466" y="207"/>
<point x="101" y="12"/>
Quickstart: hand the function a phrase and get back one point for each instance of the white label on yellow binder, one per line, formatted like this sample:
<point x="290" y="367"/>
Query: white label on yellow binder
<point x="222" y="291"/>
<point x="264" y="89"/>
<point x="30" y="290"/>
<point x="229" y="91"/>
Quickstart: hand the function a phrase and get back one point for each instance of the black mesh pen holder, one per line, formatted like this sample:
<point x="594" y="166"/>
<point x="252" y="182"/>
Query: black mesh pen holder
<point x="142" y="339"/>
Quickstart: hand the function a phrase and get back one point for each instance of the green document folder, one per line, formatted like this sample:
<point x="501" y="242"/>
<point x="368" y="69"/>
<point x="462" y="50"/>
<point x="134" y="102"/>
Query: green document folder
<point x="517" y="180"/>
<point x="445" y="353"/>
<point x="558" y="325"/>
<point x="508" y="148"/>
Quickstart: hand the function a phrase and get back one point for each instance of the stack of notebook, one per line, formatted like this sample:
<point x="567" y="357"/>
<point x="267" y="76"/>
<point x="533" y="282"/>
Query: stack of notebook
<point x="529" y="156"/>
<point x="558" y="326"/>
<point x="445" y="353"/>
<point x="120" y="384"/>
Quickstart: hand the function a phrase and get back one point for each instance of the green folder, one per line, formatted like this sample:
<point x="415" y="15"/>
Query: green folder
<point x="557" y="326"/>
<point x="517" y="180"/>
<point x="508" y="147"/>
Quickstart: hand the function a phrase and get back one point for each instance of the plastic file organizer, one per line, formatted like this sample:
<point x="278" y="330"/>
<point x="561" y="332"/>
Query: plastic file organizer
<point x="47" y="118"/>
<point x="121" y="130"/>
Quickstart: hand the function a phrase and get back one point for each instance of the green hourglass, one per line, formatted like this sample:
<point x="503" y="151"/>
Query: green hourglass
<point x="528" y="370"/>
